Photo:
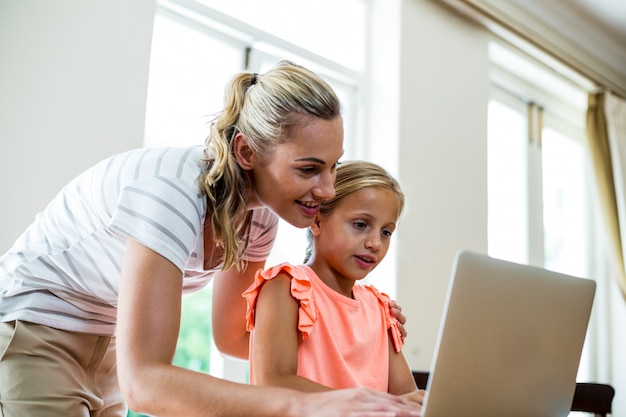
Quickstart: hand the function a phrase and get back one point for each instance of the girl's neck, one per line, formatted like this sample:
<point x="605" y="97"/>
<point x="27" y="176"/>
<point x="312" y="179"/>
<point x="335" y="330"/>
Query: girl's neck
<point x="329" y="276"/>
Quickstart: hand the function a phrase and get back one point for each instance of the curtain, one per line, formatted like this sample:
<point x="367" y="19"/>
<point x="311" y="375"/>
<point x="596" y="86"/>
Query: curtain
<point x="606" y="131"/>
<point x="616" y="121"/>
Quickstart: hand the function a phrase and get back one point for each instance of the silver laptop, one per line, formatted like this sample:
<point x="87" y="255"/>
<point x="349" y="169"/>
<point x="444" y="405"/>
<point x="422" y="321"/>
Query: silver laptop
<point x="510" y="341"/>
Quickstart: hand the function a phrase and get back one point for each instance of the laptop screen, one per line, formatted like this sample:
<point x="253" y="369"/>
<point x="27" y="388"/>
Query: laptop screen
<point x="510" y="340"/>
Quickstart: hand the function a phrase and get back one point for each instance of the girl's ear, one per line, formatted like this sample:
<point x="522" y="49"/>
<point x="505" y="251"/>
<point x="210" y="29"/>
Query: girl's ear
<point x="244" y="155"/>
<point x="315" y="227"/>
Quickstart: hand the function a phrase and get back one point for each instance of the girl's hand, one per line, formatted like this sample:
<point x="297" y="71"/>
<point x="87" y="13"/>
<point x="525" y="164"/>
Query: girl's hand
<point x="396" y="310"/>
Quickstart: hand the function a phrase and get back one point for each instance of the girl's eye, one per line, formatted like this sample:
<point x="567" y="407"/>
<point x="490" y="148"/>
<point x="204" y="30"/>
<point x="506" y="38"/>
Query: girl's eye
<point x="387" y="233"/>
<point x="360" y="225"/>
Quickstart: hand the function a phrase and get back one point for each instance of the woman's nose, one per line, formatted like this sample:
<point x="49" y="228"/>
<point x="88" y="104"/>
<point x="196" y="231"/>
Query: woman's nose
<point x="325" y="189"/>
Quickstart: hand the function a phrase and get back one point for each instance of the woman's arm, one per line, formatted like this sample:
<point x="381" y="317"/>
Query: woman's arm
<point x="147" y="331"/>
<point x="274" y="349"/>
<point x="229" y="310"/>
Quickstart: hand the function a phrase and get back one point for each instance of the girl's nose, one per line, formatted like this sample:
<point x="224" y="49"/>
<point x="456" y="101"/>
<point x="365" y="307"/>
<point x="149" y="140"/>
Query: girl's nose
<point x="373" y="241"/>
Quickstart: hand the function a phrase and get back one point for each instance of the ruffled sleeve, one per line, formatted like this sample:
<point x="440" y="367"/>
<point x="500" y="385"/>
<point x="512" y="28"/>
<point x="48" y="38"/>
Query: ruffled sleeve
<point x="391" y="321"/>
<point x="301" y="290"/>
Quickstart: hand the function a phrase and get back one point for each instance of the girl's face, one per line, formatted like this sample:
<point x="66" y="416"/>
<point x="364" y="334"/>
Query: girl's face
<point x="351" y="240"/>
<point x="300" y="172"/>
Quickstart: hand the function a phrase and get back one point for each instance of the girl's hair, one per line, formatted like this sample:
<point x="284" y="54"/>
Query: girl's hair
<point x="353" y="176"/>
<point x="264" y="108"/>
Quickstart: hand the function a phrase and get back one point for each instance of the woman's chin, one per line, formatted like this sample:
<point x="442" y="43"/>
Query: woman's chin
<point x="300" y="221"/>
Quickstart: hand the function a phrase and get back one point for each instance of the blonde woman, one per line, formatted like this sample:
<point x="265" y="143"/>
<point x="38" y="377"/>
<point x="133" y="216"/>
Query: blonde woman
<point x="90" y="293"/>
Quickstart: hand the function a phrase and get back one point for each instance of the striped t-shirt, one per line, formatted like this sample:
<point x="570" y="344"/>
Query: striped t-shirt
<point x="64" y="270"/>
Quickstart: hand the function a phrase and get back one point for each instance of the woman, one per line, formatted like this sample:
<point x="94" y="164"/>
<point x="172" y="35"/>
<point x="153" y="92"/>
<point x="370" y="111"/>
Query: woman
<point x="91" y="292"/>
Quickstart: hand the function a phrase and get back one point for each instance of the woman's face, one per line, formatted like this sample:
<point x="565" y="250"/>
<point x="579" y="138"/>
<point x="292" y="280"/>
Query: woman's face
<point x="299" y="173"/>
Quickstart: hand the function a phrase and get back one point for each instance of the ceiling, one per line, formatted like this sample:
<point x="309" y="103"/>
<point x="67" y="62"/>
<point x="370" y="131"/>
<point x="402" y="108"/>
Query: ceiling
<point x="584" y="40"/>
<point x="596" y="29"/>
<point x="587" y="36"/>
<point x="609" y="14"/>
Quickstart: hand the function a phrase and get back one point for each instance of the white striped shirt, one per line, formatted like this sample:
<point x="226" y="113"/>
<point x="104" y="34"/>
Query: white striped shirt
<point x="64" y="270"/>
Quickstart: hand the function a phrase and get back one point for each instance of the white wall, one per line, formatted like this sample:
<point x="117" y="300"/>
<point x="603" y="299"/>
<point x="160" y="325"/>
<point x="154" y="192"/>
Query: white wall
<point x="431" y="91"/>
<point x="73" y="80"/>
<point x="425" y="89"/>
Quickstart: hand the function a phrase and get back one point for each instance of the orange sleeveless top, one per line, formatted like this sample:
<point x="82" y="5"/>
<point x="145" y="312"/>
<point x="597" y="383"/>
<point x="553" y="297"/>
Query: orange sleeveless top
<point x="344" y="341"/>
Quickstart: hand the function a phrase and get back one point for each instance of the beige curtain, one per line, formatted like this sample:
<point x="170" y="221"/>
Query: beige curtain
<point x="606" y="130"/>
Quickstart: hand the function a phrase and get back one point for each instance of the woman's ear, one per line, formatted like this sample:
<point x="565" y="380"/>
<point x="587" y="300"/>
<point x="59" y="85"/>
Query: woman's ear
<point x="244" y="155"/>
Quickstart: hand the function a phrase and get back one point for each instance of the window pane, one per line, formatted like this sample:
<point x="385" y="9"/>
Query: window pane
<point x="193" y="350"/>
<point x="507" y="184"/>
<point x="334" y="29"/>
<point x="564" y="206"/>
<point x="189" y="69"/>
<point x="188" y="72"/>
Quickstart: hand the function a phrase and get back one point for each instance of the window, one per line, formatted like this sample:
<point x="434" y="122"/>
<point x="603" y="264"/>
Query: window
<point x="185" y="84"/>
<point x="197" y="46"/>
<point x="538" y="211"/>
<point x="298" y="23"/>
<point x="537" y="188"/>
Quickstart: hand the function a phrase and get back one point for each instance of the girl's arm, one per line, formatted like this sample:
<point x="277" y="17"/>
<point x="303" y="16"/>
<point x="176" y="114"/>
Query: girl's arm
<point x="401" y="378"/>
<point x="401" y="381"/>
<point x="147" y="332"/>
<point x="274" y="349"/>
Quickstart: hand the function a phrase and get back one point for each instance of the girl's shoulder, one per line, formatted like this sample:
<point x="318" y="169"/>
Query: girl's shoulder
<point x="300" y="288"/>
<point x="298" y="272"/>
<point x="372" y="291"/>
<point x="300" y="276"/>
<point x="391" y="322"/>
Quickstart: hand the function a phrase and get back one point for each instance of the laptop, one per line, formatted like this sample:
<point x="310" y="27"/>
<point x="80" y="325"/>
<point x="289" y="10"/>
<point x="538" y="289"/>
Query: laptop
<point x="509" y="342"/>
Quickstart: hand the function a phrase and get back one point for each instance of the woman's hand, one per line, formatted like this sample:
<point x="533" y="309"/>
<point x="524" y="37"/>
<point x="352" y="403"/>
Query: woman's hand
<point x="358" y="402"/>
<point x="396" y="310"/>
<point x="416" y="398"/>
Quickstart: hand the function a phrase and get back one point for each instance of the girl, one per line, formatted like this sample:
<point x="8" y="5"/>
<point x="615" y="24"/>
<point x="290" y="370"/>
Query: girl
<point x="314" y="328"/>
<point x="90" y="294"/>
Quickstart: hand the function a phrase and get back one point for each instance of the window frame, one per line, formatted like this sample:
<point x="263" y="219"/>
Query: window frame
<point x="259" y="47"/>
<point x="563" y="110"/>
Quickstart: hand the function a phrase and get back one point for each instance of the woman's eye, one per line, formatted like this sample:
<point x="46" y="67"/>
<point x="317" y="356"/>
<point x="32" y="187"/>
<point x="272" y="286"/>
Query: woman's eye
<point x="308" y="170"/>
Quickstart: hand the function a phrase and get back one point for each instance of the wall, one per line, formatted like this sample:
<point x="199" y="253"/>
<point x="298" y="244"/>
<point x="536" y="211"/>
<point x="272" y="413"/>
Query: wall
<point x="438" y="75"/>
<point x="73" y="80"/>
<point x="426" y="88"/>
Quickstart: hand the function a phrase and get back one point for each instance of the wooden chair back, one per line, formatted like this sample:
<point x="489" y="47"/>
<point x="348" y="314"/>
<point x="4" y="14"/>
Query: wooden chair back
<point x="593" y="398"/>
